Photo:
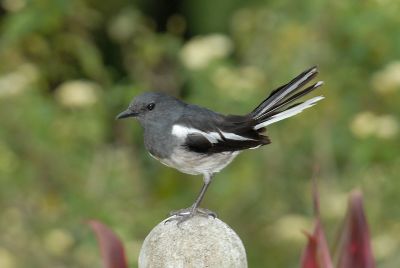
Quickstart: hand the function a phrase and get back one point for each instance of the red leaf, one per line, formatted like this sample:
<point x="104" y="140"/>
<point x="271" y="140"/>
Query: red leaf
<point x="309" y="258"/>
<point x="354" y="249"/>
<point x="111" y="248"/>
<point x="316" y="253"/>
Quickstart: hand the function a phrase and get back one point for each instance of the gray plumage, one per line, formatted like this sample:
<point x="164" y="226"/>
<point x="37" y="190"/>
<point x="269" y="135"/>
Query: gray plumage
<point x="196" y="140"/>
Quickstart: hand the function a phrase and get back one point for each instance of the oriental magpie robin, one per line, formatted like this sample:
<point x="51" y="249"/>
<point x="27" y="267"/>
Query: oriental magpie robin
<point x="196" y="140"/>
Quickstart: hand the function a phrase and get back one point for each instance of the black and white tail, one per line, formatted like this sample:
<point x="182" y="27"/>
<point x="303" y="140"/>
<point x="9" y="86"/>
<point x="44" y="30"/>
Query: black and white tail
<point x="280" y="103"/>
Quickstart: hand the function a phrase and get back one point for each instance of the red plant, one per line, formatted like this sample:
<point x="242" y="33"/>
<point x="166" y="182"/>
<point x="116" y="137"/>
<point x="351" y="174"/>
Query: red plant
<point x="316" y="254"/>
<point x="111" y="248"/>
<point x="353" y="249"/>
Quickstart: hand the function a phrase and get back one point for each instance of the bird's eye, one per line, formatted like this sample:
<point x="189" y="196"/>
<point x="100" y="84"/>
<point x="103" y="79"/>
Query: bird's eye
<point x="150" y="106"/>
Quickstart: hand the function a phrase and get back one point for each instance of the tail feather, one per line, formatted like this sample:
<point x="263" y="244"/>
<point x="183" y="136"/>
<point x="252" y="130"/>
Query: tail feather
<point x="284" y="104"/>
<point x="279" y="104"/>
<point x="289" y="112"/>
<point x="284" y="91"/>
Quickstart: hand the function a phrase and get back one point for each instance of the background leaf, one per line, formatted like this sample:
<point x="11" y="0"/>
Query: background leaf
<point x="111" y="248"/>
<point x="354" y="246"/>
<point x="316" y="253"/>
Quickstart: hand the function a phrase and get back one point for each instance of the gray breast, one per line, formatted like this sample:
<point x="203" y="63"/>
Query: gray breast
<point x="160" y="143"/>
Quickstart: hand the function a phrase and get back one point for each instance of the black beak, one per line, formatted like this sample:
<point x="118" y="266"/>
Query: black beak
<point x="125" y="114"/>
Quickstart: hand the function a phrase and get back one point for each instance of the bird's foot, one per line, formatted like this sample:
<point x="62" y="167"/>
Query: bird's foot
<point x="185" y="214"/>
<point x="193" y="211"/>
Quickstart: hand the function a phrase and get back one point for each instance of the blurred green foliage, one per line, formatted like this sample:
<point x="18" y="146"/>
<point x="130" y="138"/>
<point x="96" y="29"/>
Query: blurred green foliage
<point x="69" y="66"/>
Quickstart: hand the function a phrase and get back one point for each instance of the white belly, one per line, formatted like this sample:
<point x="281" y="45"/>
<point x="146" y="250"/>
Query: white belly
<point x="195" y="163"/>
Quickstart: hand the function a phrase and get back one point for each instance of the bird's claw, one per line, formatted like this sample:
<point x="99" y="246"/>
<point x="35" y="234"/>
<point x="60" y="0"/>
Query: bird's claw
<point x="185" y="214"/>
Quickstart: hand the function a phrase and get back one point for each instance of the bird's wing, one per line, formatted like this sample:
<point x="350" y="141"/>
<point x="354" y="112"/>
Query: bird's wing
<point x="208" y="132"/>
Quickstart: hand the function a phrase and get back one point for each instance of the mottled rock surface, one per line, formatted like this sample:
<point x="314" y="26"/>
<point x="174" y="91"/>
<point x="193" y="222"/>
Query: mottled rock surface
<point x="198" y="242"/>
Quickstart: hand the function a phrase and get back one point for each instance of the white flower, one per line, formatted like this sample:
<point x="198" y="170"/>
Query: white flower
<point x="77" y="93"/>
<point x="58" y="241"/>
<point x="14" y="83"/>
<point x="367" y="124"/>
<point x="200" y="51"/>
<point x="363" y="124"/>
<point x="388" y="79"/>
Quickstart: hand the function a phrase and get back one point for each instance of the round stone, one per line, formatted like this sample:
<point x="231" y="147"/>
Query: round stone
<point x="197" y="242"/>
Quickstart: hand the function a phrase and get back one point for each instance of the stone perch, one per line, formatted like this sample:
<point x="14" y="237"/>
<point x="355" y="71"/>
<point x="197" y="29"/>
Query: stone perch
<point x="196" y="243"/>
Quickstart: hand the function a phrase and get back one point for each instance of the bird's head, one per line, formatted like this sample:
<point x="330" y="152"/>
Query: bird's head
<point x="150" y="106"/>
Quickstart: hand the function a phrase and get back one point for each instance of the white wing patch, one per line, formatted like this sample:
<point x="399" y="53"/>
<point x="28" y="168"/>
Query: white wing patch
<point x="213" y="137"/>
<point x="182" y="132"/>
<point x="233" y="136"/>
<point x="289" y="113"/>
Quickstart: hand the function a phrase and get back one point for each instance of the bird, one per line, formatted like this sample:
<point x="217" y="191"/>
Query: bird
<point x="199" y="141"/>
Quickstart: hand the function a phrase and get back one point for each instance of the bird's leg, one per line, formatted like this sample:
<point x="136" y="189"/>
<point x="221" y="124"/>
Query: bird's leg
<point x="200" y="197"/>
<point x="186" y="213"/>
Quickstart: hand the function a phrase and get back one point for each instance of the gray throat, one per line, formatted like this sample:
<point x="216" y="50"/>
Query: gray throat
<point x="157" y="134"/>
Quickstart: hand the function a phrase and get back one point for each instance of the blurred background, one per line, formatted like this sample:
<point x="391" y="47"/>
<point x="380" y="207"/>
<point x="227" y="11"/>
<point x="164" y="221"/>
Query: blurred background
<point x="69" y="66"/>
